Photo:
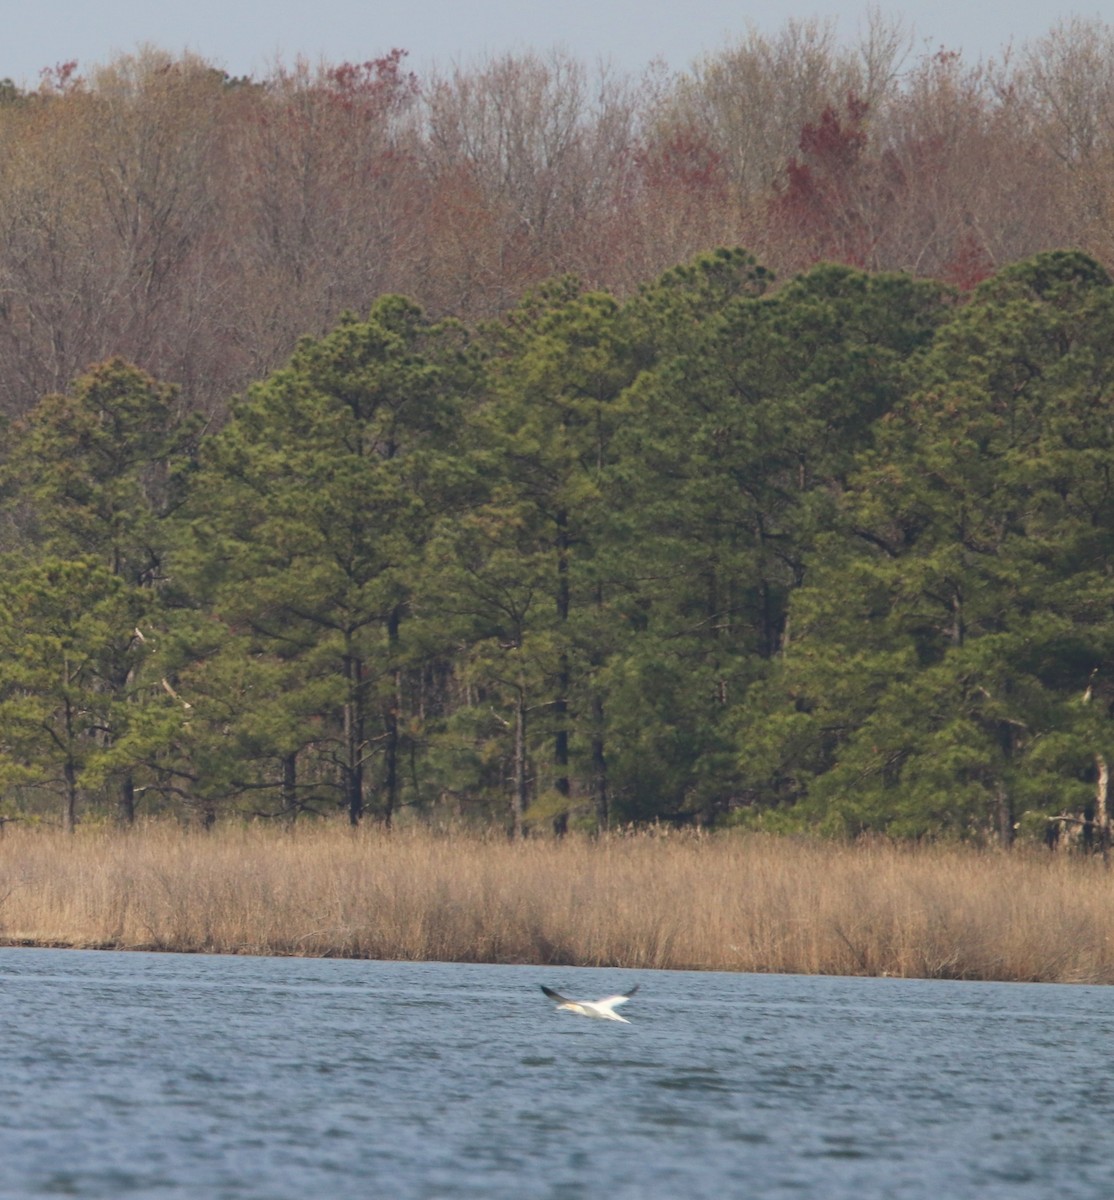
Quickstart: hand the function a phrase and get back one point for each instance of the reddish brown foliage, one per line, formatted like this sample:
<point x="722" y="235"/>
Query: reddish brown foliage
<point x="687" y="160"/>
<point x="832" y="192"/>
<point x="198" y="225"/>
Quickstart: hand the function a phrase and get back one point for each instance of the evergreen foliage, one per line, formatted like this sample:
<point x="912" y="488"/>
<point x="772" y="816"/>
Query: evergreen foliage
<point x="832" y="554"/>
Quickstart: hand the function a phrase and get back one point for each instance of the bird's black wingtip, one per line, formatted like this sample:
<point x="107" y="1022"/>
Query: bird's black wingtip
<point x="549" y="991"/>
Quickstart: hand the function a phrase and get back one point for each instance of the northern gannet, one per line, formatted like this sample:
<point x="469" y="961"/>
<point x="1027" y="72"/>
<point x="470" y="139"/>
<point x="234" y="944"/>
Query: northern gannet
<point x="605" y="1008"/>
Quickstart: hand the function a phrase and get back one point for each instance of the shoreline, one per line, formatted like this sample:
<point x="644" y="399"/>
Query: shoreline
<point x="28" y="944"/>
<point x="722" y="902"/>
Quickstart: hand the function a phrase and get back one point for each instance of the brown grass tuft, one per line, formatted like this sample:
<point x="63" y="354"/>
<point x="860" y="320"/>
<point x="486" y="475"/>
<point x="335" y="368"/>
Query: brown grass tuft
<point x="725" y="902"/>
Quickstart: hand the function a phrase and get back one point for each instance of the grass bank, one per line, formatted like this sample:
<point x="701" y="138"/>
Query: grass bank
<point x="725" y="902"/>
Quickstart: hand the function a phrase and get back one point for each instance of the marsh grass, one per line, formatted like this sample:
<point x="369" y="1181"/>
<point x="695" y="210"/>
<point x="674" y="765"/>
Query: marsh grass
<point x="725" y="902"/>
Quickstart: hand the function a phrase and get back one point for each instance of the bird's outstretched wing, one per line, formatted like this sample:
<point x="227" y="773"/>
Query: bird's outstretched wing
<point x="607" y="1001"/>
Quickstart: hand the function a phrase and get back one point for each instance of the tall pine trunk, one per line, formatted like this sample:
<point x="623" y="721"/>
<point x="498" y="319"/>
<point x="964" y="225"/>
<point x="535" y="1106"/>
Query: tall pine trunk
<point x="352" y="768"/>
<point x="599" y="766"/>
<point x="1102" y="809"/>
<point x="391" y="723"/>
<point x="561" y="702"/>
<point x="290" y="787"/>
<point x="126" y="809"/>
<point x="69" y="807"/>
<point x="521" y="795"/>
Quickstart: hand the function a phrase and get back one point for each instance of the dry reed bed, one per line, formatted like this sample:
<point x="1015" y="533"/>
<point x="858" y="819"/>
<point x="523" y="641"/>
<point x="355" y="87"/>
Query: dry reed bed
<point x="727" y="902"/>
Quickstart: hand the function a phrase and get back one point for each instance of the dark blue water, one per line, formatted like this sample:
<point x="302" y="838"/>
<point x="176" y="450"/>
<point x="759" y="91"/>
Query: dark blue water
<point x="143" y="1075"/>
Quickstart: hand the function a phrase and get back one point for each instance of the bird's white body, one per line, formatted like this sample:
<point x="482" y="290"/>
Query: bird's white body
<point x="603" y="1009"/>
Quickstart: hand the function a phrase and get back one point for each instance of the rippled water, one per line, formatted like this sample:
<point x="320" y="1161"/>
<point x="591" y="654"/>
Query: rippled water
<point x="125" y="1075"/>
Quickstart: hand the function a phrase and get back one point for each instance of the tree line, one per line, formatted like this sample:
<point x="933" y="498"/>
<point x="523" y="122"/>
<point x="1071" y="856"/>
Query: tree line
<point x="197" y="224"/>
<point x="834" y="554"/>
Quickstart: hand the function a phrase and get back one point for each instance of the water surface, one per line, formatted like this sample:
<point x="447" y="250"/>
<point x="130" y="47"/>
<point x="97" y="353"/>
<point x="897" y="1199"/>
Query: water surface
<point x="146" y="1075"/>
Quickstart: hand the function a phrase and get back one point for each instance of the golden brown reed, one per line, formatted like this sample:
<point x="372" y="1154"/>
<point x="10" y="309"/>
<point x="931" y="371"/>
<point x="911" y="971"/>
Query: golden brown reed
<point x="714" y="902"/>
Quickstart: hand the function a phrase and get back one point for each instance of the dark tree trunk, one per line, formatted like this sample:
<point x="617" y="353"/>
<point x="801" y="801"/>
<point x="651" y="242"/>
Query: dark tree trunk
<point x="599" y="767"/>
<point x="290" y="786"/>
<point x="391" y="723"/>
<point x="127" y="801"/>
<point x="561" y="702"/>
<point x="69" y="808"/>
<point x="1004" y="818"/>
<point x="520" y="798"/>
<point x="353" y="765"/>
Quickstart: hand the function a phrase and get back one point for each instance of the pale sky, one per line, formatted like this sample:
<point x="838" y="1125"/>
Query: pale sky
<point x="245" y="37"/>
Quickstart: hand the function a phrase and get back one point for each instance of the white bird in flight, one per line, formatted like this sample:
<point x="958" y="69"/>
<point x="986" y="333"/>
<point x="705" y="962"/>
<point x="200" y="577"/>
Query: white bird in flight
<point x="604" y="1009"/>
